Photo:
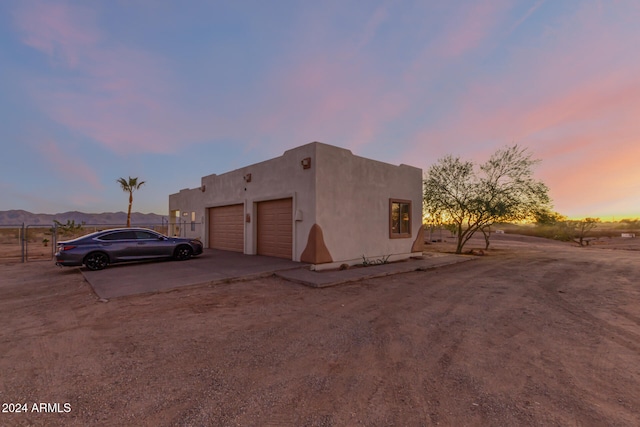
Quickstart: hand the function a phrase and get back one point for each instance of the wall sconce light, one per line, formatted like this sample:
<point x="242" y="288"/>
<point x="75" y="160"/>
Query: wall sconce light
<point x="247" y="177"/>
<point x="247" y="217"/>
<point x="306" y="163"/>
<point x="203" y="188"/>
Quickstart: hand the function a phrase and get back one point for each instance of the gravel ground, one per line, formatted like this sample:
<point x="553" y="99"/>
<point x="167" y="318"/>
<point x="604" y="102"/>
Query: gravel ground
<point x="532" y="333"/>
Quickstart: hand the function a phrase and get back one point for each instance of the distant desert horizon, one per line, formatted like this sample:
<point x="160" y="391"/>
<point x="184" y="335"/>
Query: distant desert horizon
<point x="19" y="216"/>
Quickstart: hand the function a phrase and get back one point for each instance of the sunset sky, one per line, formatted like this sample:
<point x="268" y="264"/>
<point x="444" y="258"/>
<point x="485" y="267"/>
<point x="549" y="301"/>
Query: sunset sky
<point x="170" y="91"/>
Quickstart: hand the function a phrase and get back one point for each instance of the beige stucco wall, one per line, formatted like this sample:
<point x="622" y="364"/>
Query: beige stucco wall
<point x="347" y="196"/>
<point x="277" y="178"/>
<point x="352" y="195"/>
<point x="187" y="200"/>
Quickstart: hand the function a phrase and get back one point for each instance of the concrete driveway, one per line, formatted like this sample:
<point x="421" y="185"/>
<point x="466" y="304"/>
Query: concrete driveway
<point x="216" y="266"/>
<point x="213" y="266"/>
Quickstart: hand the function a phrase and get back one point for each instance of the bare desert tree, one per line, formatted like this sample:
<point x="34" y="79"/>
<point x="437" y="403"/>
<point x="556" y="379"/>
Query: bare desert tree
<point x="582" y="228"/>
<point x="553" y="225"/>
<point x="130" y="186"/>
<point x="471" y="199"/>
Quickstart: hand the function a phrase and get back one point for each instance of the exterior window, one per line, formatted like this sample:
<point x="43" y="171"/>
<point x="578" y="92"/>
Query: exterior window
<point x="399" y="218"/>
<point x="145" y="235"/>
<point x="119" y="235"/>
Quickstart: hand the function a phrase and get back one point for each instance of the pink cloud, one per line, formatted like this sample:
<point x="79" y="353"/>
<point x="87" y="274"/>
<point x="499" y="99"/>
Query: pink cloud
<point x="331" y="91"/>
<point x="470" y="27"/>
<point x="68" y="166"/>
<point x="594" y="178"/>
<point x="606" y="97"/>
<point x="380" y="15"/>
<point x="569" y="93"/>
<point x="579" y="82"/>
<point x="587" y="137"/>
<point x="567" y="63"/>
<point x="337" y="97"/>
<point x="122" y="102"/>
<point x="526" y="16"/>
<point x="320" y="99"/>
<point x="57" y="29"/>
<point x="120" y="97"/>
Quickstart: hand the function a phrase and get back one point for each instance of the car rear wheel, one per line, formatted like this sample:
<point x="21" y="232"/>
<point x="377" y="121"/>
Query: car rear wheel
<point x="183" y="252"/>
<point x="96" y="261"/>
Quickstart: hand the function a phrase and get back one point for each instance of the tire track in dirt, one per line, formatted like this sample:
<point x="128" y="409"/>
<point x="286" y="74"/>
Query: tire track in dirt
<point x="588" y="333"/>
<point x="549" y="282"/>
<point x="482" y="343"/>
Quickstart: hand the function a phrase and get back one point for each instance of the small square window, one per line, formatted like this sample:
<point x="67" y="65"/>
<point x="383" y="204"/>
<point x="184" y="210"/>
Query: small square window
<point x="399" y="218"/>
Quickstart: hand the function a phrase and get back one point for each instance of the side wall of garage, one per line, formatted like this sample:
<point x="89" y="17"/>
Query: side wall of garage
<point x="354" y="195"/>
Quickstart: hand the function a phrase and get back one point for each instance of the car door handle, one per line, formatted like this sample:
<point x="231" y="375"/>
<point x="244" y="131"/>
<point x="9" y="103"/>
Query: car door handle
<point x="141" y="243"/>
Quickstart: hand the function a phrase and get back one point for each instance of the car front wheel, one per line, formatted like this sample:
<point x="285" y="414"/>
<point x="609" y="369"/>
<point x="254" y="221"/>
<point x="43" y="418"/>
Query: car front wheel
<point x="96" y="261"/>
<point x="183" y="252"/>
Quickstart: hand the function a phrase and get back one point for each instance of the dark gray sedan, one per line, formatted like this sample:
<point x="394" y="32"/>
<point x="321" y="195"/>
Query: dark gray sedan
<point x="99" y="249"/>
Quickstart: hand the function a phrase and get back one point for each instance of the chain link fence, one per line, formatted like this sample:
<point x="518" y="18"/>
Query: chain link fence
<point x="12" y="242"/>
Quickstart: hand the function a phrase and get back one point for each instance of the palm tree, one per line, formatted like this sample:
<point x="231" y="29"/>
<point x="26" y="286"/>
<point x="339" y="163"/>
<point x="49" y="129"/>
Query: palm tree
<point x="129" y="186"/>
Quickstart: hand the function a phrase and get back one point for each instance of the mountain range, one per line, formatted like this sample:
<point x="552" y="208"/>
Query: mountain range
<point x="18" y="217"/>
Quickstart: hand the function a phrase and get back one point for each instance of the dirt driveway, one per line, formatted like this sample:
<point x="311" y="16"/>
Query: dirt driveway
<point x="530" y="334"/>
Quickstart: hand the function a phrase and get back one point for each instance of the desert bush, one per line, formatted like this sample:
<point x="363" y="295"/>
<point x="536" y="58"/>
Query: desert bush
<point x="367" y="262"/>
<point x="564" y="230"/>
<point x="68" y="229"/>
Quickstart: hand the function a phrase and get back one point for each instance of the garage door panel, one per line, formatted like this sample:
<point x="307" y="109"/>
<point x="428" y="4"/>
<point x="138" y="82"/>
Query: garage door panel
<point x="275" y="228"/>
<point x="226" y="228"/>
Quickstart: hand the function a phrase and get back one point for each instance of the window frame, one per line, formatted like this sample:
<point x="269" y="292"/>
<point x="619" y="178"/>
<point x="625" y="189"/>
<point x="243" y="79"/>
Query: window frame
<point x="400" y="234"/>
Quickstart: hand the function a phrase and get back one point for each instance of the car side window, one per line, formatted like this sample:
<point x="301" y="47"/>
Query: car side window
<point x="119" y="235"/>
<point x="145" y="235"/>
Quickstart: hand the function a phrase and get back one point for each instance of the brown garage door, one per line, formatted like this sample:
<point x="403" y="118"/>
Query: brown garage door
<point x="226" y="228"/>
<point x="275" y="228"/>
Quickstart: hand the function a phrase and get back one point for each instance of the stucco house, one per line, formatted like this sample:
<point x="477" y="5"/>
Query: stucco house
<point x="317" y="204"/>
